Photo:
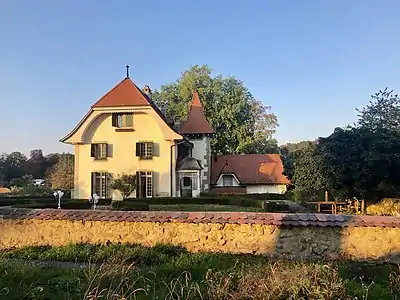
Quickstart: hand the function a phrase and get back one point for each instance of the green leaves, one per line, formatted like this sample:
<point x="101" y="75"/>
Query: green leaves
<point x="125" y="184"/>
<point x="241" y="123"/>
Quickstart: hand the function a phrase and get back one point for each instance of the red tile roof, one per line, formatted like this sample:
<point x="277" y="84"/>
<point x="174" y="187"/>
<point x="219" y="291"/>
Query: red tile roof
<point x="125" y="93"/>
<point x="4" y="190"/>
<point x="227" y="168"/>
<point x="250" y="168"/>
<point x="278" y="219"/>
<point x="196" y="122"/>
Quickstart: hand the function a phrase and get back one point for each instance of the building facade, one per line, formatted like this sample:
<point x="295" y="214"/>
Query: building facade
<point x="124" y="132"/>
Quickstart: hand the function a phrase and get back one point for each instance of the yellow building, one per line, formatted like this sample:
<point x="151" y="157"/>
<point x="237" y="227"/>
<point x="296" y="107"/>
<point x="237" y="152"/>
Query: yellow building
<point x="125" y="132"/>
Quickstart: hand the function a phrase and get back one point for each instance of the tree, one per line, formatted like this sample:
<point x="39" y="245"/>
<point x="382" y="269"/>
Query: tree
<point x="125" y="184"/>
<point x="241" y="123"/>
<point x="382" y="112"/>
<point x="291" y="147"/>
<point x="303" y="169"/>
<point x="62" y="176"/>
<point x="358" y="162"/>
<point x="36" y="165"/>
<point x="12" y="166"/>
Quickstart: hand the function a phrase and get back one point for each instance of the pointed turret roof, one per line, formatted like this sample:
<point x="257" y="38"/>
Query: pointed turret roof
<point x="196" y="122"/>
<point x="125" y="93"/>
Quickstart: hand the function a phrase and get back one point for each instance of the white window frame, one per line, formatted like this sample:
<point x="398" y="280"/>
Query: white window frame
<point x="100" y="150"/>
<point x="103" y="189"/>
<point x="227" y="180"/>
<point x="149" y="182"/>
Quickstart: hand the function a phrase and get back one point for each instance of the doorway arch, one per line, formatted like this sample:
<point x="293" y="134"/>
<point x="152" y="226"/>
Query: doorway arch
<point x="186" y="185"/>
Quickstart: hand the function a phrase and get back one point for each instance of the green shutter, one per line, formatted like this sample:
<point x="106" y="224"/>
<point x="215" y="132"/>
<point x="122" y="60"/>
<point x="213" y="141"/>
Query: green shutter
<point x="114" y="121"/>
<point x="93" y="150"/>
<point x="103" y="149"/>
<point x="138" y="149"/>
<point x="129" y="120"/>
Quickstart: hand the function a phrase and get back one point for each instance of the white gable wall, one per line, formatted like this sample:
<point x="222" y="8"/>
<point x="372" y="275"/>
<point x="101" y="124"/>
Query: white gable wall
<point x="220" y="181"/>
<point x="266" y="188"/>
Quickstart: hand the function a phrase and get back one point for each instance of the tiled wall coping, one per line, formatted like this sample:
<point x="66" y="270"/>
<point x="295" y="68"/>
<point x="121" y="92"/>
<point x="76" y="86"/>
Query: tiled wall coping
<point x="278" y="219"/>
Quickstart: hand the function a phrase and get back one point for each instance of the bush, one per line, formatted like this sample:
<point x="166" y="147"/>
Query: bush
<point x="222" y="200"/>
<point x="130" y="205"/>
<point x="269" y="206"/>
<point x="387" y="207"/>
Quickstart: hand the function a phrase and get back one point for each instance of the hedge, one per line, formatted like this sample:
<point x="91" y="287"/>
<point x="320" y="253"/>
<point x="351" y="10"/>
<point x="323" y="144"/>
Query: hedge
<point x="34" y="202"/>
<point x="270" y="196"/>
<point x="130" y="205"/>
<point x="227" y="200"/>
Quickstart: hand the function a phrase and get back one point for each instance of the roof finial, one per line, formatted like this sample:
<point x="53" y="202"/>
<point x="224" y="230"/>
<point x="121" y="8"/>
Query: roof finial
<point x="127" y="71"/>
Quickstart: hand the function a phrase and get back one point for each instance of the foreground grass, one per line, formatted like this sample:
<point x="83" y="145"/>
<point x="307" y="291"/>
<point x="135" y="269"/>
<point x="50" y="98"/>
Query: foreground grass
<point x="166" y="272"/>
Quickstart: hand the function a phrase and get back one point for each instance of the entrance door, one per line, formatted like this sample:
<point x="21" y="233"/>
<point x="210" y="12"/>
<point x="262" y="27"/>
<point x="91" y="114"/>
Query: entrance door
<point x="186" y="187"/>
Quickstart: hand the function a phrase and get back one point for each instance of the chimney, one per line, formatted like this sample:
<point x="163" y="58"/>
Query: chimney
<point x="147" y="91"/>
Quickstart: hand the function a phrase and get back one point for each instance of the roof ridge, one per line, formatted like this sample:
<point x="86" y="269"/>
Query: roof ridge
<point x="118" y="86"/>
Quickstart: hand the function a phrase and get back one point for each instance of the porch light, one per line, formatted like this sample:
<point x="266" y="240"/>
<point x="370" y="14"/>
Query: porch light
<point x="58" y="195"/>
<point x="94" y="199"/>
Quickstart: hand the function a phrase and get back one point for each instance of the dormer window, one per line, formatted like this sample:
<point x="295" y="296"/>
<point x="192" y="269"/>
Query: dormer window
<point x="227" y="180"/>
<point x="122" y="120"/>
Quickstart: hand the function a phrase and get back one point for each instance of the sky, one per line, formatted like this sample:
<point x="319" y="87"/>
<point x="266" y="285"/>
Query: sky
<point x="313" y="61"/>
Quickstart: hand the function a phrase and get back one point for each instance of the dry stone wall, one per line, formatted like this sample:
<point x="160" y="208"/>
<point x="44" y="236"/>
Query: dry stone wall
<point x="295" y="236"/>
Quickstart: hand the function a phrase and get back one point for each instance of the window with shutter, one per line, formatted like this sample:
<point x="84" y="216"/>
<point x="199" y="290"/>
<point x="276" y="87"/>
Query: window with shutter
<point x="122" y="120"/>
<point x="145" y="184"/>
<point x="100" y="184"/>
<point x="99" y="150"/>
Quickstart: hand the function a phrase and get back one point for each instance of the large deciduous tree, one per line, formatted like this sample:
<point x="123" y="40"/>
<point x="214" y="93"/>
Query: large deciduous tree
<point x="241" y="123"/>
<point x="303" y="168"/>
<point x="382" y="112"/>
<point x="37" y="164"/>
<point x="12" y="166"/>
<point x="62" y="176"/>
<point x="360" y="161"/>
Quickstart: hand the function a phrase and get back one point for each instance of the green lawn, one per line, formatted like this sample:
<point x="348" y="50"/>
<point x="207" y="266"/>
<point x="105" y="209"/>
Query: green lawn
<point x="167" y="272"/>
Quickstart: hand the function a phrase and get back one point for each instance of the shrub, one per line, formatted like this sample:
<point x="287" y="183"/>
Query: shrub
<point x="130" y="205"/>
<point x="226" y="200"/>
<point x="125" y="184"/>
<point x="48" y="202"/>
<point x="269" y="206"/>
<point x="386" y="207"/>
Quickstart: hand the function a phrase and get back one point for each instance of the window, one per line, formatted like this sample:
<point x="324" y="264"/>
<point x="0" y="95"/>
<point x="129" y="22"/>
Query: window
<point x="227" y="180"/>
<point x="100" y="182"/>
<point x="99" y="151"/>
<point x="144" y="184"/>
<point x="187" y="181"/>
<point x="144" y="150"/>
<point x="122" y="120"/>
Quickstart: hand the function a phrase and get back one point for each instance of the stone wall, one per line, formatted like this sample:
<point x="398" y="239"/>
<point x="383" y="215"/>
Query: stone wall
<point x="304" y="236"/>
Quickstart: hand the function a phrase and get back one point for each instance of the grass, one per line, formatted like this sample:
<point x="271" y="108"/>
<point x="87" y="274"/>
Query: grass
<point x="167" y="272"/>
<point x="202" y="207"/>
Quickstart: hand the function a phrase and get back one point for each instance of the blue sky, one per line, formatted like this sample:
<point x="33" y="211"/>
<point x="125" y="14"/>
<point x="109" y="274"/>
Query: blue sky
<point x="313" y="61"/>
